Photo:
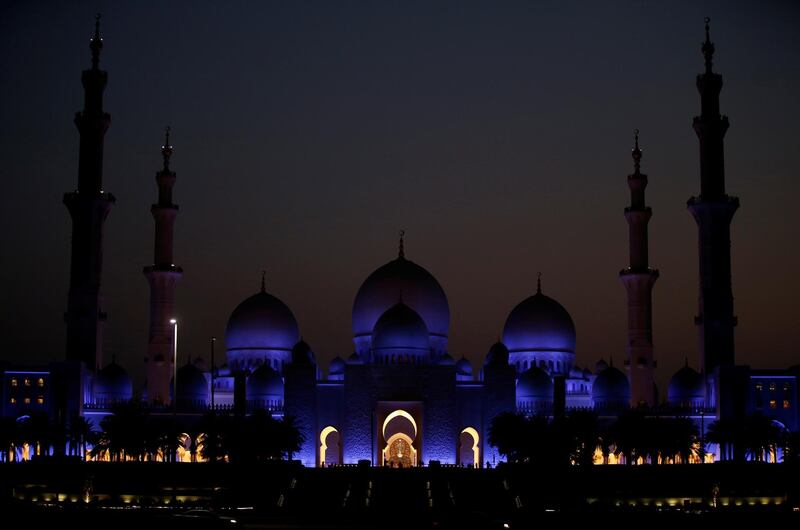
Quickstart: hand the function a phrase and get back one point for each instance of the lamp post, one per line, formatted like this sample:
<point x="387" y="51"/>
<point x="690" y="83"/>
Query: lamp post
<point x="702" y="437"/>
<point x="174" y="323"/>
<point x="213" y="341"/>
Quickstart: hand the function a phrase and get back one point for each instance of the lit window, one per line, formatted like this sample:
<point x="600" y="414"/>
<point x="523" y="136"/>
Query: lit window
<point x="40" y="400"/>
<point x="786" y="403"/>
<point x="27" y="382"/>
<point x="27" y="401"/>
<point x="40" y="382"/>
<point x="14" y="383"/>
<point x="772" y="387"/>
<point x="13" y="401"/>
<point x="759" y="387"/>
<point x="786" y="387"/>
<point x="773" y="404"/>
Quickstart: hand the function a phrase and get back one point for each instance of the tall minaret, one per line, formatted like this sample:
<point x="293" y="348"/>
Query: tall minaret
<point x="163" y="277"/>
<point x="88" y="206"/>
<point x="713" y="210"/>
<point x="639" y="279"/>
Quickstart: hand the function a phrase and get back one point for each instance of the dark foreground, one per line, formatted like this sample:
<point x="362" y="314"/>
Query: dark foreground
<point x="283" y="495"/>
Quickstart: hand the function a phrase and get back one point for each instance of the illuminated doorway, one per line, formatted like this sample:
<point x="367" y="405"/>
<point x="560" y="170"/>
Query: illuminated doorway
<point x="469" y="453"/>
<point x="329" y="447"/>
<point x="399" y="432"/>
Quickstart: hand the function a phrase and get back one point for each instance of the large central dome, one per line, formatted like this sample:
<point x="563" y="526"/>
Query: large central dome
<point x="540" y="332"/>
<point x="400" y="279"/>
<point x="261" y="329"/>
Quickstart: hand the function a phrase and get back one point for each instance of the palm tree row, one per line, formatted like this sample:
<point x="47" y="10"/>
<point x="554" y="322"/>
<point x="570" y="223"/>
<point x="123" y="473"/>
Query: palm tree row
<point x="131" y="434"/>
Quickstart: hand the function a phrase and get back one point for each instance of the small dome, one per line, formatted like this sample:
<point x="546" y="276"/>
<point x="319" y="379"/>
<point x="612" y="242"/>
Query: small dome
<point x="464" y="367"/>
<point x="539" y="324"/>
<point x="355" y="359"/>
<point x="599" y="366"/>
<point x="265" y="384"/>
<point x="261" y="322"/>
<point x="193" y="389"/>
<point x="113" y="384"/>
<point x="534" y="383"/>
<point x="498" y="354"/>
<point x="401" y="328"/>
<point x="401" y="277"/>
<point x="611" y="386"/>
<point x="686" y="386"/>
<point x="446" y="360"/>
<point x="302" y="354"/>
<point x="337" y="366"/>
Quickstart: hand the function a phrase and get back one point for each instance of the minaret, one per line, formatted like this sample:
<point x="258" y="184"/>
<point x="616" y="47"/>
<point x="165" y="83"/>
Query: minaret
<point x="88" y="206"/>
<point x="639" y="279"/>
<point x="713" y="210"/>
<point x="163" y="276"/>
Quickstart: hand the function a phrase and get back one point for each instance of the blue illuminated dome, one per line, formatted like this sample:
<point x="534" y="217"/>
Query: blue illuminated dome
<point x="401" y="278"/>
<point x="498" y="354"/>
<point x="336" y="368"/>
<point x="540" y="332"/>
<point x="302" y="354"/>
<point x="534" y="383"/>
<point x="611" y="390"/>
<point x="113" y="385"/>
<point x="686" y="388"/>
<point x="463" y="370"/>
<point x="265" y="387"/>
<point x="262" y="328"/>
<point x="193" y="387"/>
<point x="400" y="336"/>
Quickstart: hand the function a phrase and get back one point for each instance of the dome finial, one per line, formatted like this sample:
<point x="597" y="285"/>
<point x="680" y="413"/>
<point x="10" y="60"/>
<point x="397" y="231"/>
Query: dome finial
<point x="708" y="47"/>
<point x="96" y="44"/>
<point x="636" y="153"/>
<point x="264" y="281"/>
<point x="402" y="248"/>
<point x="166" y="149"/>
<point x="539" y="283"/>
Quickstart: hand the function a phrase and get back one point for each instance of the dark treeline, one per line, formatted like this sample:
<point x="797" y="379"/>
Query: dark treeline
<point x="580" y="438"/>
<point x="130" y="433"/>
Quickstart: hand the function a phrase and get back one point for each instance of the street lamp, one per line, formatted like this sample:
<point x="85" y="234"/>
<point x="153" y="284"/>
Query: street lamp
<point x="174" y="323"/>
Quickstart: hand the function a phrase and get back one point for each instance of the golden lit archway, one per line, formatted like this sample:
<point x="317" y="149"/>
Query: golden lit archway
<point x="476" y="451"/>
<point x="323" y="447"/>
<point x="399" y="451"/>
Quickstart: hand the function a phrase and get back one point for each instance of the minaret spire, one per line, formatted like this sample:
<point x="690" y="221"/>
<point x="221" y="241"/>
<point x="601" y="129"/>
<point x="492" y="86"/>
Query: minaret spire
<point x="401" y="253"/>
<point x="166" y="149"/>
<point x="264" y="281"/>
<point x="163" y="276"/>
<point x="713" y="211"/>
<point x="88" y="207"/>
<point x="539" y="283"/>
<point x="96" y="44"/>
<point x="708" y="48"/>
<point x="638" y="279"/>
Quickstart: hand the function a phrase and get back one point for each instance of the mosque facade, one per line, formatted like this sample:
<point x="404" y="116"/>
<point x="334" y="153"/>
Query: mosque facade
<point x="400" y="398"/>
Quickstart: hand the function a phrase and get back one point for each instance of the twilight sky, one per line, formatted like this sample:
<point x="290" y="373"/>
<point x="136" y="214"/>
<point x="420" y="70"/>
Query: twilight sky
<point x="306" y="134"/>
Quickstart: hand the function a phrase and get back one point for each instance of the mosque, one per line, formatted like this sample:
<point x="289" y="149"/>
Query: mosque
<point x="401" y="398"/>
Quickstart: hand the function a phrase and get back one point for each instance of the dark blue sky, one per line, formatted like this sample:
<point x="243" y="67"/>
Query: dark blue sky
<point x="306" y="134"/>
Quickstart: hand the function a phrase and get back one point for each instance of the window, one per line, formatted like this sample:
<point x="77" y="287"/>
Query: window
<point x="14" y="382"/>
<point x="40" y="400"/>
<point x="759" y="387"/>
<point x="27" y="382"/>
<point x="27" y="401"/>
<point x="40" y="382"/>
<point x="772" y="387"/>
<point x="773" y="404"/>
<point x="13" y="401"/>
<point x="786" y="403"/>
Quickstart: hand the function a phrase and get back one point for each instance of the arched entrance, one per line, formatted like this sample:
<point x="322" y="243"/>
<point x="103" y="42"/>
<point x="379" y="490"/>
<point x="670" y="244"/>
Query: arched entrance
<point x="399" y="431"/>
<point x="469" y="453"/>
<point x="329" y="447"/>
